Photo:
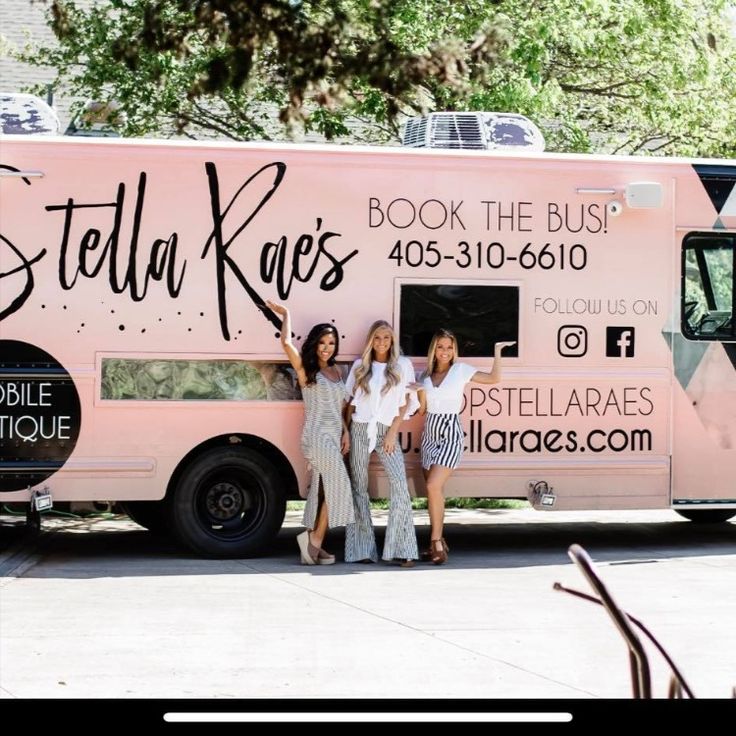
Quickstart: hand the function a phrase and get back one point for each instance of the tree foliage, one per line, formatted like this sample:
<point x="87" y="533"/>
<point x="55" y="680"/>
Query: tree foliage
<point x="227" y="66"/>
<point x="631" y="76"/>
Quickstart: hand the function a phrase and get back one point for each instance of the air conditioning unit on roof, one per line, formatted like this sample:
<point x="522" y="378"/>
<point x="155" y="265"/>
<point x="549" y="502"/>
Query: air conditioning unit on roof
<point x="23" y="114"/>
<point x="97" y="119"/>
<point x="473" y="131"/>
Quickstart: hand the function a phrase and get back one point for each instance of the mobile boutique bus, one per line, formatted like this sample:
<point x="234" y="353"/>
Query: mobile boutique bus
<point x="139" y="364"/>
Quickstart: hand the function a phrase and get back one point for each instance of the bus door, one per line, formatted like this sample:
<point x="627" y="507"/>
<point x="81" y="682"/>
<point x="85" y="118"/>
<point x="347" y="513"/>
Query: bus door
<point x="704" y="355"/>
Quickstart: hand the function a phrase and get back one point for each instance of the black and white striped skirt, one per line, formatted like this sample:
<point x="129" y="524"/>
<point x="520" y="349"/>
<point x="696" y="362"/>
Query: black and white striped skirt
<point x="442" y="441"/>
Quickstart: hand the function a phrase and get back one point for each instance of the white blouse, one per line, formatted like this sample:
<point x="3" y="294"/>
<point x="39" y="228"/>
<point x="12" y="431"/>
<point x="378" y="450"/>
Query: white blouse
<point x="447" y="398"/>
<point x="374" y="407"/>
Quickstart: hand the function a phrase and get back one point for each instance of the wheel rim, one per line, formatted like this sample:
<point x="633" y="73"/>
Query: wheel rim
<point x="230" y="504"/>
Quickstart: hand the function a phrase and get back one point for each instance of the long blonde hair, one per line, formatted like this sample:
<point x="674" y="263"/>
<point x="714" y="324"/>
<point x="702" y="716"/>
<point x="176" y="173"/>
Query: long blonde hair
<point x="442" y="332"/>
<point x="364" y="371"/>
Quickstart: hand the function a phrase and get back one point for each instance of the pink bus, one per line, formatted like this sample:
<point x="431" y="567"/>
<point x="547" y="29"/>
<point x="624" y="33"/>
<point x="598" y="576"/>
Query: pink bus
<point x="139" y="365"/>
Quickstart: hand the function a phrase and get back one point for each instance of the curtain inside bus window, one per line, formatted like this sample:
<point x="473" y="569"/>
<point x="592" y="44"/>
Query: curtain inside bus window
<point x="204" y="380"/>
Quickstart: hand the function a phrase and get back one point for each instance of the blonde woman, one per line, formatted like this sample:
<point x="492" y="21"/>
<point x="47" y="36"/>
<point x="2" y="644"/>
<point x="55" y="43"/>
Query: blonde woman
<point x="441" y="397"/>
<point x="325" y="437"/>
<point x="378" y="382"/>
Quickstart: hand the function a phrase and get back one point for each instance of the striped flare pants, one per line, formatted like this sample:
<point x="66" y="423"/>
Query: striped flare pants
<point x="360" y="539"/>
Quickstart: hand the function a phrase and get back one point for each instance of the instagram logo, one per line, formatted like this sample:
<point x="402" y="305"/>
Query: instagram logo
<point x="572" y="341"/>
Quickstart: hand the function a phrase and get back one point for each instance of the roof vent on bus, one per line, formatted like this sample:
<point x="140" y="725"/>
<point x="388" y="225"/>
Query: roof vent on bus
<point x="500" y="131"/>
<point x="22" y="114"/>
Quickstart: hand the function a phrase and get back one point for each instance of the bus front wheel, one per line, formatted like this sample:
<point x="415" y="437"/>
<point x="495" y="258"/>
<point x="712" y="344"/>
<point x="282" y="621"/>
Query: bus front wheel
<point x="707" y="516"/>
<point x="228" y="502"/>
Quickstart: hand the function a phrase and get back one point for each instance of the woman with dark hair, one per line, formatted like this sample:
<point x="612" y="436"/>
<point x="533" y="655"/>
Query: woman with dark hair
<point x="325" y="437"/>
<point x="441" y="397"/>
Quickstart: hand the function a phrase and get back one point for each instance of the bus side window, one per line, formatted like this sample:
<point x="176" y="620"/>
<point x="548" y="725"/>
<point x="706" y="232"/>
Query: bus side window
<point x="478" y="314"/>
<point x="708" y="286"/>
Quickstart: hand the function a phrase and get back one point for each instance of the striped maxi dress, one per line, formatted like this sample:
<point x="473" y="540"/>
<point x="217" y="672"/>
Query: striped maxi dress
<point x="323" y="402"/>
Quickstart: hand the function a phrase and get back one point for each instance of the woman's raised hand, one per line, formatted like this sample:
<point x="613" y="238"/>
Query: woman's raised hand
<point x="501" y="345"/>
<point x="280" y="309"/>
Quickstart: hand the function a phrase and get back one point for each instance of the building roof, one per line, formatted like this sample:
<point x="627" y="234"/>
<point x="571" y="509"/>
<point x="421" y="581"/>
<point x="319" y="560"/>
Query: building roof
<point x="23" y="22"/>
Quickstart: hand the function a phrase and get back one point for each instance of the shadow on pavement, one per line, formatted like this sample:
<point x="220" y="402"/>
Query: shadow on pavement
<point x="120" y="548"/>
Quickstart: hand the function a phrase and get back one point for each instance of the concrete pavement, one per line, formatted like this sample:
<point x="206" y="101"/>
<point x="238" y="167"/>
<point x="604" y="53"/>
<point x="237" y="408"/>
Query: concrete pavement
<point x="100" y="609"/>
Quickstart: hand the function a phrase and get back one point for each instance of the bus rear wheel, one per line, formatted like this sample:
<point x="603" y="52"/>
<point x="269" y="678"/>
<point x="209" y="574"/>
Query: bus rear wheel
<point x="228" y="502"/>
<point x="707" y="516"/>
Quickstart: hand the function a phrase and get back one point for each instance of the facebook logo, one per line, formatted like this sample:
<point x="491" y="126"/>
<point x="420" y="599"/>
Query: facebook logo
<point x="619" y="342"/>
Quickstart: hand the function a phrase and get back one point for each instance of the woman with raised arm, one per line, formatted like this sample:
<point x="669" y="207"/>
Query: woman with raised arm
<point x="379" y="382"/>
<point x="325" y="437"/>
<point x="441" y="397"/>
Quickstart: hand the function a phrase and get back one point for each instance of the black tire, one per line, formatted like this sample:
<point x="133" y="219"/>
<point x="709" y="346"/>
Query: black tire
<point x="229" y="502"/>
<point x="149" y="514"/>
<point x="707" y="516"/>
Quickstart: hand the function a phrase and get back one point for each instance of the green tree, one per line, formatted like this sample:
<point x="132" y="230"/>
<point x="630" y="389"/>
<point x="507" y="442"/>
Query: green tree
<point x="631" y="76"/>
<point x="226" y="67"/>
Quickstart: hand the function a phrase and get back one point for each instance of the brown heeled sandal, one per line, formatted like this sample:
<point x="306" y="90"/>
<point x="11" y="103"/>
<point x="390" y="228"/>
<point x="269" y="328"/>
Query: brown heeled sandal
<point x="439" y="550"/>
<point x="426" y="555"/>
